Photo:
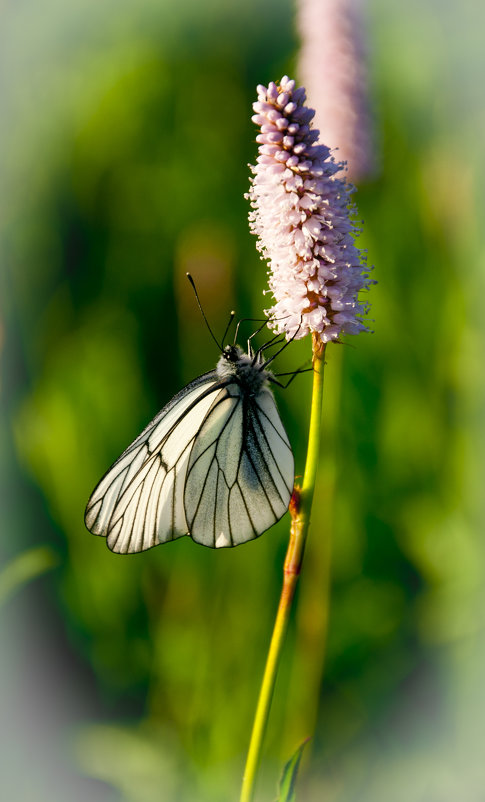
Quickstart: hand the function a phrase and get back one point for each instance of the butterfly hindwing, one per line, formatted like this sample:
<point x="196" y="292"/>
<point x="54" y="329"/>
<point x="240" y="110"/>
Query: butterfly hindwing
<point x="240" y="474"/>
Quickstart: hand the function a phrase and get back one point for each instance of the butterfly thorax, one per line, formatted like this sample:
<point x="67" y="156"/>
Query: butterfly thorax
<point x="242" y="368"/>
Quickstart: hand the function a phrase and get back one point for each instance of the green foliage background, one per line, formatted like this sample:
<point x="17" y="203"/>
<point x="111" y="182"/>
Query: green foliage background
<point x="125" y="136"/>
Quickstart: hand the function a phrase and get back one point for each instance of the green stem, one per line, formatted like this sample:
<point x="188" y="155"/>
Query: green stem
<point x="300" y="508"/>
<point x="311" y="625"/>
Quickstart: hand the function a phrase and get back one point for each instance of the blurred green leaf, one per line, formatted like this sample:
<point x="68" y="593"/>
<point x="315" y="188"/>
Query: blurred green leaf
<point x="286" y="789"/>
<point x="138" y="761"/>
<point x="24" y="568"/>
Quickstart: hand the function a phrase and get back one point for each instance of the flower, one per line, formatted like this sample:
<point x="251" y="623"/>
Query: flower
<point x="301" y="214"/>
<point x="332" y="66"/>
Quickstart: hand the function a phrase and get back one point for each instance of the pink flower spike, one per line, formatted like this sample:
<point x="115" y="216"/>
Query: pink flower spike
<point x="332" y="64"/>
<point x="304" y="220"/>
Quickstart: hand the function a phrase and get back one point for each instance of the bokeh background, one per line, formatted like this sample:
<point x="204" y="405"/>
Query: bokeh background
<point x="125" y="137"/>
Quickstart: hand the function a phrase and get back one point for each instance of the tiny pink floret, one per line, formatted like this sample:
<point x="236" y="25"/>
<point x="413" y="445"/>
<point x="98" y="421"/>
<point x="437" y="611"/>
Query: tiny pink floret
<point x="302" y="215"/>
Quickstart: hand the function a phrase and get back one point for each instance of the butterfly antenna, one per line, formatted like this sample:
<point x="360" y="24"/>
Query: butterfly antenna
<point x="231" y="318"/>
<point x="219" y="346"/>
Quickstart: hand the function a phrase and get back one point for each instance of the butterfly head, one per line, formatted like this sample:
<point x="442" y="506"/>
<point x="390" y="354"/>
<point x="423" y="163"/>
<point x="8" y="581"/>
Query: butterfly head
<point x="231" y="354"/>
<point x="242" y="368"/>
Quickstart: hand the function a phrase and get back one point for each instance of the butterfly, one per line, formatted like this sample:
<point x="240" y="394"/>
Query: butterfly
<point x="215" y="464"/>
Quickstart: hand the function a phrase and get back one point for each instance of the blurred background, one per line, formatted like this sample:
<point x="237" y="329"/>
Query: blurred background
<point x="125" y="138"/>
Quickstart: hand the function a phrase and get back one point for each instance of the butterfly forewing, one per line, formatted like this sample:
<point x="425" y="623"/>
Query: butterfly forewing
<point x="139" y="502"/>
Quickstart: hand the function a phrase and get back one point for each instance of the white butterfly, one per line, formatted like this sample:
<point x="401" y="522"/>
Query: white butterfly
<point x="215" y="464"/>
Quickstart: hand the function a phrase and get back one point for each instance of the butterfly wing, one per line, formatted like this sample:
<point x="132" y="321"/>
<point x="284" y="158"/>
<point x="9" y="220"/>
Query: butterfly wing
<point x="139" y="502"/>
<point x="240" y="472"/>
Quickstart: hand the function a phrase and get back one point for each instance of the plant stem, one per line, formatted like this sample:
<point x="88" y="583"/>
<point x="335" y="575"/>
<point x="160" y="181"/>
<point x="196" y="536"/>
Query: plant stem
<point x="311" y="624"/>
<point x="300" y="508"/>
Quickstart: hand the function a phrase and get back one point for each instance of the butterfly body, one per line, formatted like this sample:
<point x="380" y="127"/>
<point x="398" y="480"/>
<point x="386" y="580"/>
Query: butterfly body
<point x="240" y="367"/>
<point x="215" y="464"/>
